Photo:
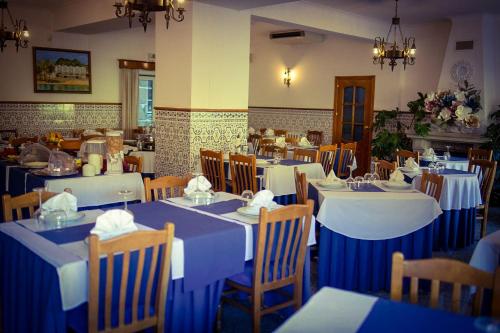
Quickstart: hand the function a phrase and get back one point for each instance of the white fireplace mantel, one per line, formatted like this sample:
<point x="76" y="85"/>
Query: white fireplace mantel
<point x="420" y="143"/>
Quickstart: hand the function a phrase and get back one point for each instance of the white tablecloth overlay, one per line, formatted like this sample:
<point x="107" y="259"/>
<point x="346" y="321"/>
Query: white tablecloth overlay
<point x="280" y="179"/>
<point x="459" y="191"/>
<point x="375" y="215"/>
<point x="457" y="165"/>
<point x="487" y="253"/>
<point x="100" y="190"/>
<point x="148" y="160"/>
<point x="330" y="310"/>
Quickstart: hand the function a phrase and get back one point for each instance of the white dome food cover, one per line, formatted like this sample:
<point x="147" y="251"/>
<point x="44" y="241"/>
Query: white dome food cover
<point x="34" y="152"/>
<point x="61" y="162"/>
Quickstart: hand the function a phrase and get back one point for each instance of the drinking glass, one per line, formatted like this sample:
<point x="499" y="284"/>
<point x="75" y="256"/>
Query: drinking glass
<point x="367" y="177"/>
<point x="358" y="181"/>
<point x="125" y="193"/>
<point x="246" y="195"/>
<point x="39" y="214"/>
<point x="350" y="181"/>
<point x="260" y="180"/>
<point x="447" y="154"/>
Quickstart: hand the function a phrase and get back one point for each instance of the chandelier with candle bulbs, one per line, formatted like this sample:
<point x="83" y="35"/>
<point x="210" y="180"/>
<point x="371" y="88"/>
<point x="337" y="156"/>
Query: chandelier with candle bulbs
<point x="384" y="49"/>
<point x="18" y="32"/>
<point x="143" y="8"/>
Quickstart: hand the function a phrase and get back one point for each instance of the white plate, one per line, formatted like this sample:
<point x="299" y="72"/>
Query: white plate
<point x="337" y="184"/>
<point x="34" y="165"/>
<point x="397" y="185"/>
<point x="262" y="162"/>
<point x="247" y="212"/>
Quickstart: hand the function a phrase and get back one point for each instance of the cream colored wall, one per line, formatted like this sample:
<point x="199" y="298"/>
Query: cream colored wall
<point x="16" y="83"/>
<point x="316" y="66"/>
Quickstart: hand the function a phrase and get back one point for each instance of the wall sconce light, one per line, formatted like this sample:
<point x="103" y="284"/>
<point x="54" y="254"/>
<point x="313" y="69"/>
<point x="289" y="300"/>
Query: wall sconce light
<point x="287" y="77"/>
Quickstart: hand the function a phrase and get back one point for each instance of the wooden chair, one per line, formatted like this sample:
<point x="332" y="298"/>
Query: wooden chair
<point x="385" y="168"/>
<point x="27" y="201"/>
<point x="165" y="187"/>
<point x="315" y="137"/>
<point x="292" y="140"/>
<point x="255" y="139"/>
<point x="280" y="132"/>
<point x="486" y="172"/>
<point x="273" y="150"/>
<point x="444" y="270"/>
<point x="301" y="187"/>
<point x="267" y="142"/>
<point x="19" y="141"/>
<point x="306" y="155"/>
<point x="327" y="157"/>
<point x="262" y="131"/>
<point x="402" y="155"/>
<point x="70" y="146"/>
<point x="272" y="273"/>
<point x="432" y="184"/>
<point x="480" y="154"/>
<point x="8" y="134"/>
<point x="134" y="163"/>
<point x="347" y="153"/>
<point x="212" y="164"/>
<point x="243" y="173"/>
<point x="159" y="244"/>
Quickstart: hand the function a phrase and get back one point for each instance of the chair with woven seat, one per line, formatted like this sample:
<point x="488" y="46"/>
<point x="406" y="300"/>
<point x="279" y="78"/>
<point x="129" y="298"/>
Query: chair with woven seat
<point x="165" y="187"/>
<point x="280" y="132"/>
<point x="486" y="172"/>
<point x="327" y="157"/>
<point x="385" y="168"/>
<point x="301" y="187"/>
<point x="148" y="300"/>
<point x="133" y="163"/>
<point x="402" y="155"/>
<point x="28" y="201"/>
<point x="274" y="150"/>
<point x="243" y="173"/>
<point x="440" y="270"/>
<point x="432" y="184"/>
<point x="306" y="155"/>
<point x="480" y="154"/>
<point x="278" y="262"/>
<point x="346" y="158"/>
<point x="315" y="137"/>
<point x="212" y="165"/>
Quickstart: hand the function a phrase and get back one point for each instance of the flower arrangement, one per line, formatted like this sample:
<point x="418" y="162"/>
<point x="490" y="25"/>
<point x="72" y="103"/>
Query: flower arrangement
<point x="457" y="108"/>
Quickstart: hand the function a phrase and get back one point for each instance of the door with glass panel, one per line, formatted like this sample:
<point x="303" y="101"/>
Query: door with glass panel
<point x="145" y="115"/>
<point x="353" y="115"/>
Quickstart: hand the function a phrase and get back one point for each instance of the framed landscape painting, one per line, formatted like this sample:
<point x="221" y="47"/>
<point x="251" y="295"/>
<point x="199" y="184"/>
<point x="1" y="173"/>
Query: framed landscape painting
<point x="61" y="71"/>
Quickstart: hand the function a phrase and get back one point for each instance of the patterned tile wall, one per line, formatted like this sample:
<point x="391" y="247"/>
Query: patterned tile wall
<point x="180" y="135"/>
<point x="38" y="119"/>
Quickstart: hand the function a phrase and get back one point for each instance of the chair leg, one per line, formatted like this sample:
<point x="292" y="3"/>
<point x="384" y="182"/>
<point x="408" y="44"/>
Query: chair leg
<point x="218" y="320"/>
<point x="484" y="221"/>
<point x="256" y="312"/>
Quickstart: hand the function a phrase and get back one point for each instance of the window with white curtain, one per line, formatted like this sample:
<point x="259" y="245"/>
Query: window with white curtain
<point x="145" y="115"/>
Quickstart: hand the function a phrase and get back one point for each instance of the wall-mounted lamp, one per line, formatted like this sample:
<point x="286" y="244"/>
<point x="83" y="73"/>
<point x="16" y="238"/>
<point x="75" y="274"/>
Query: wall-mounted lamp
<point x="287" y="77"/>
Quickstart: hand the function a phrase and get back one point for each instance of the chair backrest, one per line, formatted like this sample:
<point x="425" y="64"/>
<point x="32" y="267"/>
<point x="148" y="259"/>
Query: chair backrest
<point x="19" y="141"/>
<point x="280" y="132"/>
<point x="255" y="139"/>
<point x="150" y="249"/>
<point x="28" y="201"/>
<point x="134" y="163"/>
<point x="292" y="140"/>
<point x="402" y="155"/>
<point x="480" y="154"/>
<point x="281" y="247"/>
<point x="385" y="168"/>
<point x="306" y="155"/>
<point x="444" y="270"/>
<point x="327" y="157"/>
<point x="70" y="145"/>
<point x="267" y="142"/>
<point x="212" y="165"/>
<point x="315" y="137"/>
<point x="165" y="187"/>
<point x="243" y="173"/>
<point x="301" y="187"/>
<point x="273" y="150"/>
<point x="347" y="153"/>
<point x="431" y="184"/>
<point x="486" y="172"/>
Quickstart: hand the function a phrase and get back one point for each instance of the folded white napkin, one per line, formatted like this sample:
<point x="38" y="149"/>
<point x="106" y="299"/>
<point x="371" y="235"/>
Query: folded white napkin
<point x="62" y="201"/>
<point x="113" y="223"/>
<point x="429" y="152"/>
<point x="397" y="176"/>
<point x="332" y="177"/>
<point x="411" y="164"/>
<point x="251" y="130"/>
<point x="200" y="183"/>
<point x="262" y="198"/>
<point x="269" y="132"/>
<point x="304" y="142"/>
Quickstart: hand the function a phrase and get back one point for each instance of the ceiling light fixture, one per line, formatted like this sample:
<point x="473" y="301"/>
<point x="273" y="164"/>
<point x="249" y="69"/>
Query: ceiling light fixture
<point x="383" y="49"/>
<point x="128" y="8"/>
<point x="19" y="33"/>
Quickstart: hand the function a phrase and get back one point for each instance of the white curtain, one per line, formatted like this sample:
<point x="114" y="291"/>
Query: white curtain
<point x="129" y="94"/>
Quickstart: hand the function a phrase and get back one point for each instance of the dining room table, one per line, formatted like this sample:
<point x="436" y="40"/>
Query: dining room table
<point x="362" y="226"/>
<point x="341" y="311"/>
<point x="44" y="273"/>
<point x="453" y="162"/>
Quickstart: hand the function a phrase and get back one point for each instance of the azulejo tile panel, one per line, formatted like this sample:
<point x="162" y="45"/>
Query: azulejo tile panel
<point x="37" y="119"/>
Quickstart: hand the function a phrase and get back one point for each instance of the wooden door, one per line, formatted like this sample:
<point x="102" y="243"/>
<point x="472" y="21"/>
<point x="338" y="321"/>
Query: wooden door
<point x="353" y="115"/>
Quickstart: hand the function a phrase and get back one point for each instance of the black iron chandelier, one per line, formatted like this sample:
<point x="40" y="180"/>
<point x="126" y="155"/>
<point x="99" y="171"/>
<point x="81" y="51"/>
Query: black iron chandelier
<point x="143" y="8"/>
<point x="18" y="32"/>
<point x="384" y="49"/>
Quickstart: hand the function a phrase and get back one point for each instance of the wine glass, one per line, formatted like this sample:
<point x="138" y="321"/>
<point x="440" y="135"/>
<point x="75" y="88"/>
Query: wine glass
<point x="375" y="176"/>
<point x="358" y="180"/>
<point x="39" y="215"/>
<point x="350" y="181"/>
<point x="125" y="193"/>
<point x="246" y="195"/>
<point x="447" y="154"/>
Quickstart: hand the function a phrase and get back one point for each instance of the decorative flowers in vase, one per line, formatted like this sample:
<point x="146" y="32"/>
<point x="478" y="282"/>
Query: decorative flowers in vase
<point x="457" y="108"/>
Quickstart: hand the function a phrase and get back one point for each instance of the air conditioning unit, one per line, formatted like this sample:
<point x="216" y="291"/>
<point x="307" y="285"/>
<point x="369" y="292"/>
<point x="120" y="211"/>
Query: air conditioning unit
<point x="294" y="37"/>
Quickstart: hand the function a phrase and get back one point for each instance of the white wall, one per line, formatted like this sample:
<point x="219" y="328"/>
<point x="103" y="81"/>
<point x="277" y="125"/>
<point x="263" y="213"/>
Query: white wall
<point x="16" y="83"/>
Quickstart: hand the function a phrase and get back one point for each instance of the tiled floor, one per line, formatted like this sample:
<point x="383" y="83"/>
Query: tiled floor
<point x="236" y="321"/>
